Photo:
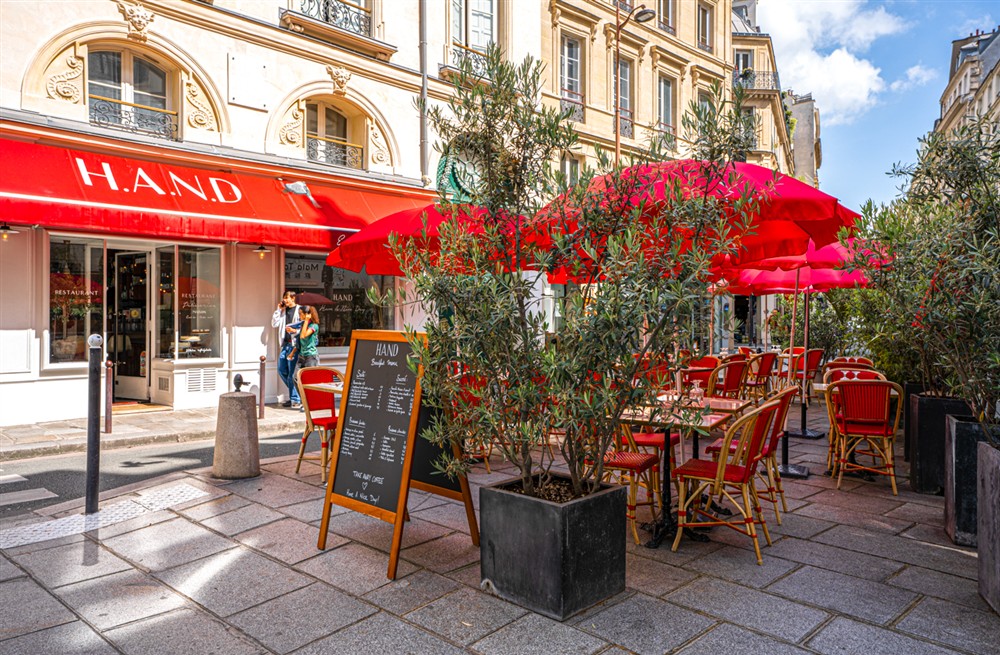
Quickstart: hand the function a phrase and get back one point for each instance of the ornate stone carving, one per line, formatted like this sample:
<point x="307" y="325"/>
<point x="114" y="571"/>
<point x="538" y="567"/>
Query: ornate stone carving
<point x="137" y="17"/>
<point x="198" y="110"/>
<point x="340" y="77"/>
<point x="65" y="86"/>
<point x="377" y="146"/>
<point x="290" y="133"/>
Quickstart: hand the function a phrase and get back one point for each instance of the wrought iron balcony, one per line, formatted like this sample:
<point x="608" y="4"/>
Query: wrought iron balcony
<point x="138" y="119"/>
<point x="572" y="101"/>
<point x="476" y="59"/>
<point x="345" y="15"/>
<point x="625" y="5"/>
<point x="666" y="136"/>
<point x="666" y="27"/>
<point x="753" y="79"/>
<point x="334" y="151"/>
<point x="626" y="126"/>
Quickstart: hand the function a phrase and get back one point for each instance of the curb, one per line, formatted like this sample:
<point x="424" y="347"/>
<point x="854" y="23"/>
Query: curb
<point x="79" y="445"/>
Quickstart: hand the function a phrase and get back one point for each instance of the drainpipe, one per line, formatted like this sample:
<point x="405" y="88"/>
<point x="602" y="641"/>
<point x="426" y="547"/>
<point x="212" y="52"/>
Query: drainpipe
<point x="424" y="177"/>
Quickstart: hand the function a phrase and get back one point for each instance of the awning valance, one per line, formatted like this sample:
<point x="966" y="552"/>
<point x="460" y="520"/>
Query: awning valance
<point x="63" y="188"/>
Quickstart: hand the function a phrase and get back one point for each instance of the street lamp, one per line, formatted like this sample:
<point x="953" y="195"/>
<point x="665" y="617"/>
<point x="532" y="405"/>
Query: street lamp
<point x="641" y="15"/>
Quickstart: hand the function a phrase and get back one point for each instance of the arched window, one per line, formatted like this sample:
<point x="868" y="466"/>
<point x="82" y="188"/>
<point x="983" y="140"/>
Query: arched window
<point x="328" y="137"/>
<point x="128" y="91"/>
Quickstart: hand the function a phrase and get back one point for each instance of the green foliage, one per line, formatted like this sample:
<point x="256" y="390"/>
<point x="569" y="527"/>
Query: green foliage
<point x="499" y="373"/>
<point x="941" y="290"/>
<point x="827" y="326"/>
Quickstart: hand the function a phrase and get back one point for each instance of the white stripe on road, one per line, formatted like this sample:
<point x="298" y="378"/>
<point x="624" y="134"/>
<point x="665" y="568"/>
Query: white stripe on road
<point x="25" y="496"/>
<point x="11" y="477"/>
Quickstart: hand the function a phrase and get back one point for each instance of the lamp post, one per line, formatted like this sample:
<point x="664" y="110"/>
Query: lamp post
<point x="641" y="15"/>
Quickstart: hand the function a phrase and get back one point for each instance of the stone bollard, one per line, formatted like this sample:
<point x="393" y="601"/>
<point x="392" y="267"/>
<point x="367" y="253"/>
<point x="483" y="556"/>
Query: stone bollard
<point x="237" y="453"/>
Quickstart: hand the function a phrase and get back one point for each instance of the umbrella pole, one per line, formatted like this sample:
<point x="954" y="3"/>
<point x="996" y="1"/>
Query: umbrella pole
<point x="711" y="324"/>
<point x="787" y="470"/>
<point x="804" y="432"/>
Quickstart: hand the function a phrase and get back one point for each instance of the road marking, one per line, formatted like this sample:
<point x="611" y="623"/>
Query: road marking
<point x="11" y="477"/>
<point x="25" y="496"/>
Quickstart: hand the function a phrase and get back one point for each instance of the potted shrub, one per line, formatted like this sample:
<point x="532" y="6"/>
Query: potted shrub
<point x="504" y="375"/>
<point x="948" y="225"/>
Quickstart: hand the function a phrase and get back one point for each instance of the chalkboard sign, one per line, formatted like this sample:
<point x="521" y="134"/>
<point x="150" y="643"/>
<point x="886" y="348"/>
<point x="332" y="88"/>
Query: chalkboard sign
<point x="376" y="453"/>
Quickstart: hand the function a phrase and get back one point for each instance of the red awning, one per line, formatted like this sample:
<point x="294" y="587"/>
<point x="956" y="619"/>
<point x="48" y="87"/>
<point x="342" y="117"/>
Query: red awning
<point x="61" y="188"/>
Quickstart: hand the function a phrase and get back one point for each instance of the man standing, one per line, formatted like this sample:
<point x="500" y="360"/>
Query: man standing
<point x="284" y="317"/>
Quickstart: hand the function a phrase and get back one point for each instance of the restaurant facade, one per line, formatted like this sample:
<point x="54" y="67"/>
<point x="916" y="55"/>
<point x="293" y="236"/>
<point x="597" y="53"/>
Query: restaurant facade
<point x="168" y="169"/>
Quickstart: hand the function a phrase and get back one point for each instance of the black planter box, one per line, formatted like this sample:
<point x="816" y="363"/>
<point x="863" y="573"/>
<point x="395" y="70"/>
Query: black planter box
<point x="909" y="389"/>
<point x="927" y="425"/>
<point x="989" y="525"/>
<point x="553" y="559"/>
<point x="961" y="479"/>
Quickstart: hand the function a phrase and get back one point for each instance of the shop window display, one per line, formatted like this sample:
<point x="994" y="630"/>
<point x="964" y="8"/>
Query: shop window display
<point x="76" y="297"/>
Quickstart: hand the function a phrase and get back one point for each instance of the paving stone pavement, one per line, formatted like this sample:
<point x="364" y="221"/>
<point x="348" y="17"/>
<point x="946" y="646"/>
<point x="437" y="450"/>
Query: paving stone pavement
<point x="236" y="570"/>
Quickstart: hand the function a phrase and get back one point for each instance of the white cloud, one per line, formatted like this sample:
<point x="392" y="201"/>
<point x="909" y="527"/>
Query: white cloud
<point x="918" y="75"/>
<point x="984" y="22"/>
<point x="820" y="48"/>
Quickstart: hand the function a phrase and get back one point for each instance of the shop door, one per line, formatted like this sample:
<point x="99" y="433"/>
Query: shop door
<point x="128" y="328"/>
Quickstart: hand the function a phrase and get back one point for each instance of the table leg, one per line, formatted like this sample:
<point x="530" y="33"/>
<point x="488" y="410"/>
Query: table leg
<point x="666" y="526"/>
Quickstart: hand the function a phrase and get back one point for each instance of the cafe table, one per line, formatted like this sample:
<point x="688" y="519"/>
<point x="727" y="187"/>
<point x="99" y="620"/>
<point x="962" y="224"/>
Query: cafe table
<point x="689" y="422"/>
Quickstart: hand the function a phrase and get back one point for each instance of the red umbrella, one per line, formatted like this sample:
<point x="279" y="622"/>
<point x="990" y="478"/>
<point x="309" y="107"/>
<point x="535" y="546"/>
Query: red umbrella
<point x="788" y="213"/>
<point x="369" y="247"/>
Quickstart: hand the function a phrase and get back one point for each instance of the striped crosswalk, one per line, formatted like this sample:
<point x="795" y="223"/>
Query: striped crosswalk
<point x="24" y="495"/>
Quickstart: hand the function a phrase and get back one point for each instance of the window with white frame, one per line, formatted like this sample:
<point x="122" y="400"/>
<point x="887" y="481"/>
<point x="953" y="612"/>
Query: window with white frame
<point x="128" y="91"/>
<point x="570" y="87"/>
<point x="473" y="23"/>
<point x="665" y="104"/>
<point x="570" y="167"/>
<point x="744" y="60"/>
<point x="666" y="17"/>
<point x="705" y="26"/>
<point x="625" y="97"/>
<point x="327" y="137"/>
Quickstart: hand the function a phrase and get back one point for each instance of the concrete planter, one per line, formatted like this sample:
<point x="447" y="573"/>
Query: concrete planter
<point x="961" y="456"/>
<point x="554" y="559"/>
<point x="926" y="423"/>
<point x="989" y="525"/>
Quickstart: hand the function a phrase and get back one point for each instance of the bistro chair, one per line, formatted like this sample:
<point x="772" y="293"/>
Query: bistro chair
<point x="744" y="350"/>
<point x="840" y="363"/>
<point x="832" y="407"/>
<point x="731" y="477"/>
<point x="726" y="381"/>
<point x="320" y="408"/>
<point x="757" y="383"/>
<point x="806" y="367"/>
<point x="769" y="474"/>
<point x="865" y="426"/>
<point x="635" y="468"/>
<point x="698" y="370"/>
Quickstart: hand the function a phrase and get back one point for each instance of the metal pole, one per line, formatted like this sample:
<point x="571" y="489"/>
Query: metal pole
<point x="109" y="393"/>
<point x="260" y="401"/>
<point x="424" y="162"/>
<point x="93" y="423"/>
<point x="785" y="469"/>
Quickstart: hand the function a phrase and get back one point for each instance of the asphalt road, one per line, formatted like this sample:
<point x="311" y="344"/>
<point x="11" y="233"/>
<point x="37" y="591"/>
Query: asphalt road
<point x="64" y="476"/>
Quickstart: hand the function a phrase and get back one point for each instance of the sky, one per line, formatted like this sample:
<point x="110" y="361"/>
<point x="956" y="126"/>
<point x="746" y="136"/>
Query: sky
<point x="877" y="69"/>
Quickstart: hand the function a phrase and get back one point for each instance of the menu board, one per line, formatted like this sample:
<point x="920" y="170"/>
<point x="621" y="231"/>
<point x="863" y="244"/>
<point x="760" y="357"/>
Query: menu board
<point x="377" y="454"/>
<point x="375" y="423"/>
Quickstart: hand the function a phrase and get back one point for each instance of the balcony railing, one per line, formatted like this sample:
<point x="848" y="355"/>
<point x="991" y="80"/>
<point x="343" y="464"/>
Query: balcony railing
<point x="666" y="26"/>
<point x="334" y="151"/>
<point x="626" y="126"/>
<point x="476" y="59"/>
<point x="704" y="45"/>
<point x="753" y="79"/>
<point x="138" y="119"/>
<point x="572" y="101"/>
<point x="345" y="15"/>
<point x="624" y="5"/>
<point x="666" y="136"/>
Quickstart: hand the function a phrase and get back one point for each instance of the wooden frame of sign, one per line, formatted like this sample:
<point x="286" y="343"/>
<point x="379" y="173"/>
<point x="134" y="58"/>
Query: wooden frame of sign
<point x="377" y="453"/>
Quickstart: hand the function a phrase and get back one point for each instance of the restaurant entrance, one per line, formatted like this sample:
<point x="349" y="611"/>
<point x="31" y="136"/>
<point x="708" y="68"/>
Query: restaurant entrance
<point x="128" y="322"/>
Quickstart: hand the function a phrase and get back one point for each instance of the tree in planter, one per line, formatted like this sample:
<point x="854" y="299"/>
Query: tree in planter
<point x="499" y="373"/>
<point x="942" y="287"/>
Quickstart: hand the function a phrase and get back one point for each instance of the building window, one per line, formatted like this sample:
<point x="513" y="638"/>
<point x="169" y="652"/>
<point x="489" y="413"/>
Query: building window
<point x="198" y="281"/>
<point x="76" y="297"/>
<point x="345" y="306"/>
<point x="665" y="17"/>
<point x="327" y="137"/>
<point x="126" y="91"/>
<point x="744" y="60"/>
<point x="570" y="167"/>
<point x="472" y="30"/>
<point x="665" y="104"/>
<point x="625" y="97"/>
<point x="705" y="27"/>
<point x="570" y="89"/>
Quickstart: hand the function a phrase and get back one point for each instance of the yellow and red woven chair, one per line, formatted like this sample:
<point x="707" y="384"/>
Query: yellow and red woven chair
<point x="730" y="478"/>
<point x="757" y="383"/>
<point x="726" y="381"/>
<point x="865" y="426"/>
<point x="320" y="408"/>
<point x="635" y="468"/>
<point x="832" y="407"/>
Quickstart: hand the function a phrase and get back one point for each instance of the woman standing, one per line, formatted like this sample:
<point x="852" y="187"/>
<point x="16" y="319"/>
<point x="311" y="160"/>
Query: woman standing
<point x="308" y="337"/>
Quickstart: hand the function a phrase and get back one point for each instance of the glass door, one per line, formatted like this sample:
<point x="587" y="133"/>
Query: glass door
<point x="128" y="328"/>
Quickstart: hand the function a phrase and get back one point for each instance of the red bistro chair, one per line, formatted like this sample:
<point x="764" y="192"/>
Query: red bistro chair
<point x="320" y="408"/>
<point x="832" y="407"/>
<point x="699" y="370"/>
<point x="758" y="378"/>
<point x="730" y="478"/>
<point x="806" y="366"/>
<point x="636" y="469"/>
<point x="865" y="427"/>
<point x="726" y="381"/>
